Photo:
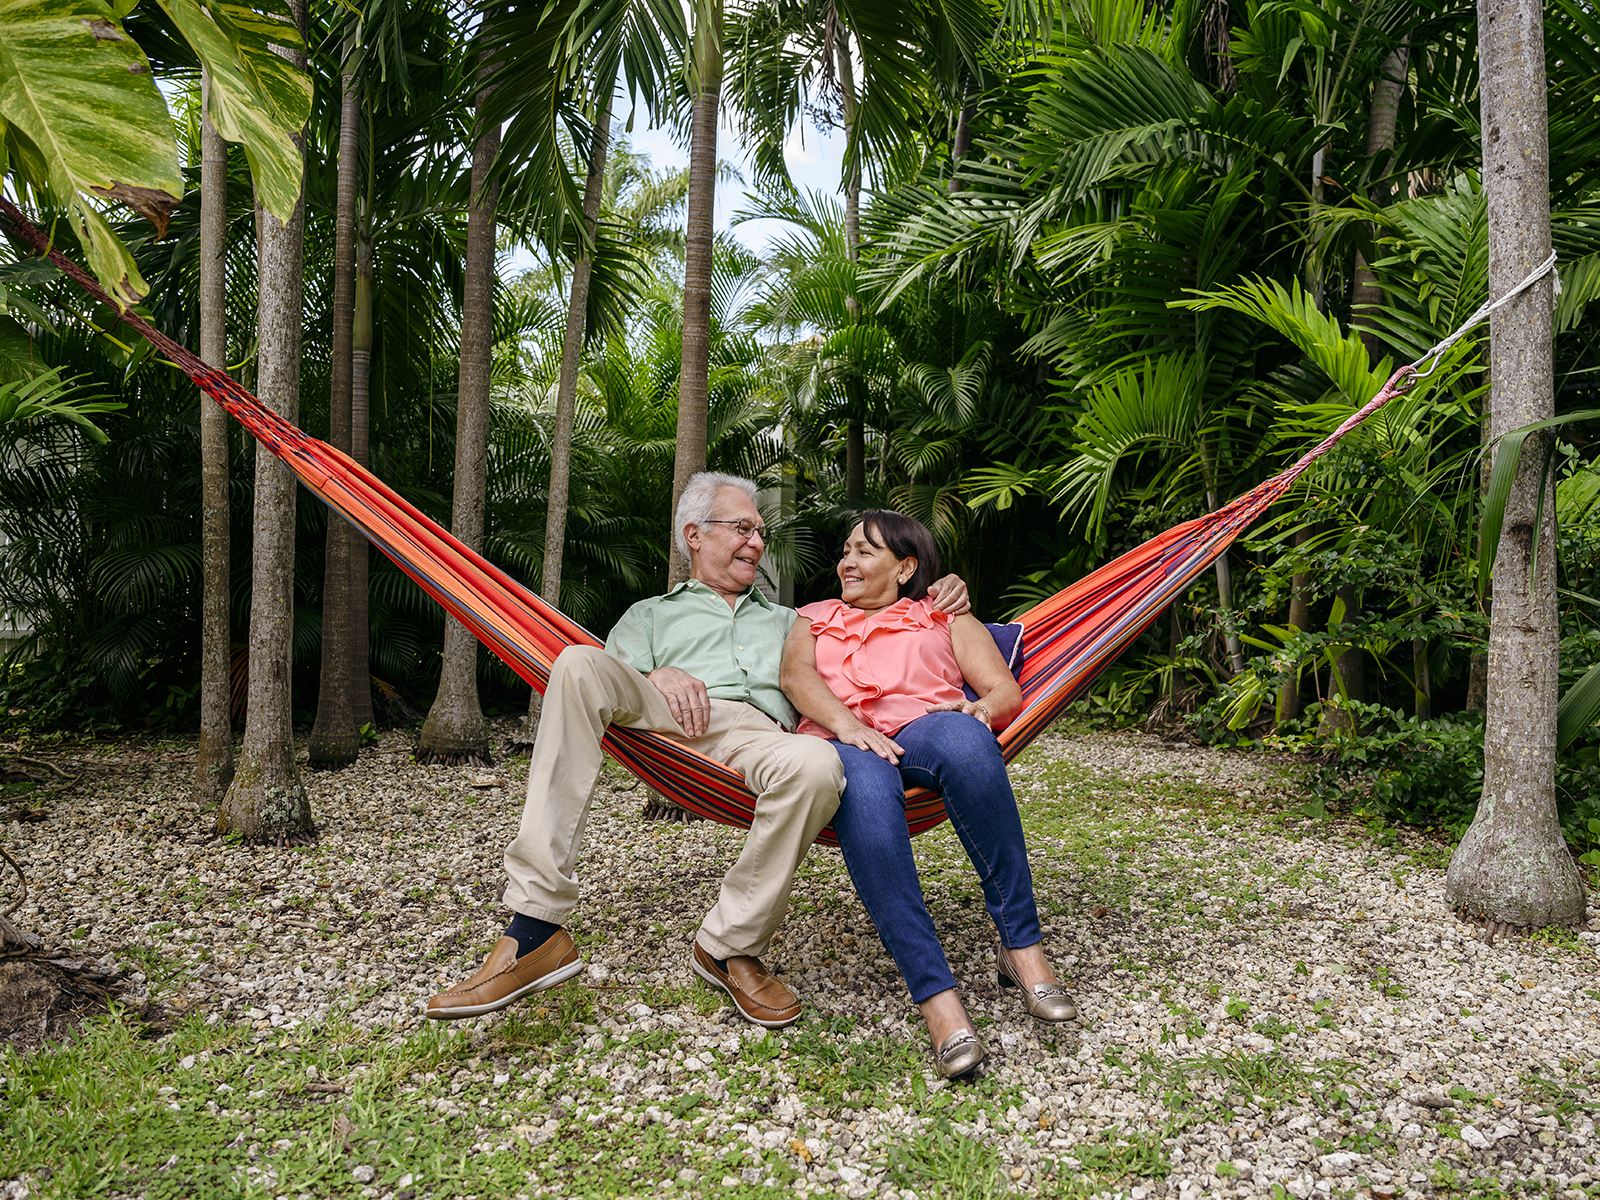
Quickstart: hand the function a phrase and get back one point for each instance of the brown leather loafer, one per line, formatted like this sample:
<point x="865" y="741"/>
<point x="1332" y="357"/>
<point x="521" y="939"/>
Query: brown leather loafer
<point x="505" y="977"/>
<point x="757" y="995"/>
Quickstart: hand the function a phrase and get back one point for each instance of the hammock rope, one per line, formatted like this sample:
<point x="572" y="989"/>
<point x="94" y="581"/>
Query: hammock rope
<point x="1068" y="639"/>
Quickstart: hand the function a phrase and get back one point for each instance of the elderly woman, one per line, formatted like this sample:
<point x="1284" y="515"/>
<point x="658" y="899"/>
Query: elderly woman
<point x="880" y="672"/>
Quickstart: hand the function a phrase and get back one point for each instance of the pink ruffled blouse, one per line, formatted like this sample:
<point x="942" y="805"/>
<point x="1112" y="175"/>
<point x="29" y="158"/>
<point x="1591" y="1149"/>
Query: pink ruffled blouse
<point x="886" y="666"/>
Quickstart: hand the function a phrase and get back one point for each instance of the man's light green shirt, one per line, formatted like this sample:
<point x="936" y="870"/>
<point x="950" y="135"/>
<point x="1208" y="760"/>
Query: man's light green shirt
<point x="735" y="652"/>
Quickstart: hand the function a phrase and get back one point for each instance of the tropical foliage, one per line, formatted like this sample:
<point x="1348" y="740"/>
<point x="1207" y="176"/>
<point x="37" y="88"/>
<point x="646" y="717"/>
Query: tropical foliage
<point x="1092" y="268"/>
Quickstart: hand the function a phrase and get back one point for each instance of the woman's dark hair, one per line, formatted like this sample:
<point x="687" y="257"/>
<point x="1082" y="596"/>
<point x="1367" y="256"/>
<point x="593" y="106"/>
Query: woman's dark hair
<point x="904" y="537"/>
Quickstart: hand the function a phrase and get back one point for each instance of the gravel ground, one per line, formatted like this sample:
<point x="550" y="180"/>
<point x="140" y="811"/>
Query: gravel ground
<point x="1269" y="1002"/>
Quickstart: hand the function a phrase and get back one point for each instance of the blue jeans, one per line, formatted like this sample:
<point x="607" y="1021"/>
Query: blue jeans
<point x="958" y="756"/>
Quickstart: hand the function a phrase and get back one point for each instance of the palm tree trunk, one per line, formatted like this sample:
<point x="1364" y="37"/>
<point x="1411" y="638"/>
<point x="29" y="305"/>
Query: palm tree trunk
<point x="555" y="521"/>
<point x="1513" y="867"/>
<point x="1347" y="683"/>
<point x="855" y="437"/>
<point x="961" y="144"/>
<point x="455" y="730"/>
<point x="1478" y="663"/>
<point x="852" y="177"/>
<point x="1365" y="295"/>
<point x="213" y="768"/>
<point x="1421" y="673"/>
<point x="1225" y="599"/>
<point x="335" y="737"/>
<point x="694" y="373"/>
<point x="1299" y="619"/>
<point x="267" y="801"/>
<point x="360" y="436"/>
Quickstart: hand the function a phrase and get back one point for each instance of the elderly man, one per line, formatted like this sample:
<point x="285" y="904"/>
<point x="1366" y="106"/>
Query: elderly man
<point x="699" y="664"/>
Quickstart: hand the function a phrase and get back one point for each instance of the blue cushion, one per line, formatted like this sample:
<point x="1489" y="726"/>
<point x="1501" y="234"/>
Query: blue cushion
<point x="1009" y="639"/>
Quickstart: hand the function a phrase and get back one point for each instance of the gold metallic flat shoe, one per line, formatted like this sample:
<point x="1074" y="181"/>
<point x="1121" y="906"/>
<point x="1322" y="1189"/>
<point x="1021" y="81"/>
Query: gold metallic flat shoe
<point x="961" y="1054"/>
<point x="1048" y="1002"/>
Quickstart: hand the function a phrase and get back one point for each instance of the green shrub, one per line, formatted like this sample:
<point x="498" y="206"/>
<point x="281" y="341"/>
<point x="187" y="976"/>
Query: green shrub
<point x="1425" y="773"/>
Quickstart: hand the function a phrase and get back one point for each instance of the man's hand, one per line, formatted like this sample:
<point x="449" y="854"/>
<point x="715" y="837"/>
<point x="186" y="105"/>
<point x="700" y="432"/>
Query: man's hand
<point x="949" y="595"/>
<point x="863" y="737"/>
<point x="686" y="697"/>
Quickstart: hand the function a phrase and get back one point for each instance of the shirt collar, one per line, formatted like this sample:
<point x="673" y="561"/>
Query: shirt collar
<point x="755" y="593"/>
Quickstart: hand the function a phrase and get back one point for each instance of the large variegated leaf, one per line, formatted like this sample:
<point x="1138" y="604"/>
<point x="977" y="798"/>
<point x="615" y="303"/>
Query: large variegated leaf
<point x="85" y="119"/>
<point x="258" y="97"/>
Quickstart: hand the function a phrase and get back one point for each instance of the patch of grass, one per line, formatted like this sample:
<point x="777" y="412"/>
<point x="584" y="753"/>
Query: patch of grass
<point x="1204" y="1085"/>
<point x="111" y="1112"/>
<point x="1559" y="1098"/>
<point x="832" y="1061"/>
<point x="1466" y="1097"/>
<point x="1272" y="1027"/>
<point x="941" y="1162"/>
<point x="1189" y="1024"/>
<point x="1431" y="855"/>
<point x="692" y="991"/>
<point x="1125" y="1155"/>
<point x="1559" y="938"/>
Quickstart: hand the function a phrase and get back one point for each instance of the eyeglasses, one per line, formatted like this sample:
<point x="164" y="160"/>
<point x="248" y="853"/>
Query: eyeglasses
<point x="745" y="528"/>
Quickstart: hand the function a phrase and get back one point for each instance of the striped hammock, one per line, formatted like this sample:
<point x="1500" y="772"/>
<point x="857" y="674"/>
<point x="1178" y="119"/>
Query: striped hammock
<point x="1068" y="639"/>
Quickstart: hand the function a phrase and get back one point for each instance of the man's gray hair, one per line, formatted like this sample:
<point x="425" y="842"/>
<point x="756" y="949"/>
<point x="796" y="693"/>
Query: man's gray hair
<point x="700" y="496"/>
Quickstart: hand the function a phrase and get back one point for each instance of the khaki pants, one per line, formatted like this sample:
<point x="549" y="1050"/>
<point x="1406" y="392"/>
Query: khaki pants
<point x="796" y="780"/>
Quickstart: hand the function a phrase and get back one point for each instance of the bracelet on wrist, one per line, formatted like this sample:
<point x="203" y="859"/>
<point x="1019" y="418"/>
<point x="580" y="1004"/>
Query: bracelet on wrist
<point x="983" y="709"/>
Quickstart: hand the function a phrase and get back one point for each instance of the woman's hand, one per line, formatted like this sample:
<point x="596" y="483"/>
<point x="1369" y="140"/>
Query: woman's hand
<point x="973" y="708"/>
<point x="863" y="737"/>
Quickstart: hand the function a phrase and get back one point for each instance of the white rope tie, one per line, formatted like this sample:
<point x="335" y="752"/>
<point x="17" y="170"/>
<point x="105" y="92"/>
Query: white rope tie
<point x="1485" y="310"/>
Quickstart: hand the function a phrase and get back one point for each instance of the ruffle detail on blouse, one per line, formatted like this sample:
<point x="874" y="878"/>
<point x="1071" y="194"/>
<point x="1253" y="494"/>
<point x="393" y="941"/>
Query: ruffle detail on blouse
<point x="838" y="619"/>
<point x="852" y="633"/>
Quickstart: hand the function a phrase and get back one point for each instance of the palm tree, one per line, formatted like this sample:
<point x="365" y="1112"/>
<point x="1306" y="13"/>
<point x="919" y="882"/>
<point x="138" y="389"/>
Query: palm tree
<point x="455" y="730"/>
<point x="537" y="80"/>
<point x="213" y="770"/>
<point x="394" y="109"/>
<point x="571" y="353"/>
<point x="267" y="802"/>
<point x="912" y="56"/>
<point x="1512" y="866"/>
<point x="335" y="737"/>
<point x="555" y="528"/>
<point x="704" y="70"/>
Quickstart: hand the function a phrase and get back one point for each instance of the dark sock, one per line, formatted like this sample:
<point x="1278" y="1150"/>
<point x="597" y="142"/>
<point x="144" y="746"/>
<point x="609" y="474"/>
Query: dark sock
<point x="530" y="932"/>
<point x="720" y="963"/>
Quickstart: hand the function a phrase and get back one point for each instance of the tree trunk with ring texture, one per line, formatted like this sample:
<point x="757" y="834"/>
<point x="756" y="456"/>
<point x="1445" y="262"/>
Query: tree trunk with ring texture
<point x="855" y="448"/>
<point x="335" y="737"/>
<point x="267" y="801"/>
<point x="961" y="144"/>
<point x="555" y="524"/>
<point x="1513" y="866"/>
<point x="360" y="439"/>
<point x="694" y="371"/>
<point x="455" y="730"/>
<point x="213" y="768"/>
<point x="1299" y="618"/>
